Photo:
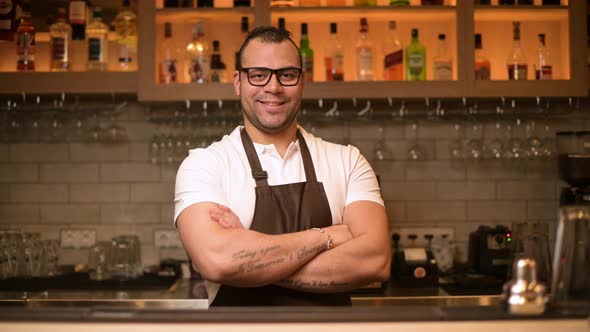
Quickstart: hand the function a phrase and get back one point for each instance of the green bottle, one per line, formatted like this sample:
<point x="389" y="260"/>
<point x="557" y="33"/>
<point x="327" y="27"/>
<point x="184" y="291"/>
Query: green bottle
<point x="306" y="54"/>
<point x="399" y="2"/>
<point x="415" y="59"/>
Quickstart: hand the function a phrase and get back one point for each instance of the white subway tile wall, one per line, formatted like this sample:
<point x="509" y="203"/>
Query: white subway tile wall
<point x="116" y="189"/>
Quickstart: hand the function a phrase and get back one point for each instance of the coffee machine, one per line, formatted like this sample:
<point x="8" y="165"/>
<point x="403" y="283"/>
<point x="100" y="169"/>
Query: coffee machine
<point x="571" y="260"/>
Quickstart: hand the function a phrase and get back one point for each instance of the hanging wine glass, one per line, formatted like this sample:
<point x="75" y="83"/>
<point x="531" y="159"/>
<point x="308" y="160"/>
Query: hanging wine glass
<point x="415" y="151"/>
<point x="456" y="150"/>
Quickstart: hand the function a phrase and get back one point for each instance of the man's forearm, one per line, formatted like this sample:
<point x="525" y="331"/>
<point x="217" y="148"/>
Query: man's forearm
<point x="350" y="266"/>
<point x="248" y="259"/>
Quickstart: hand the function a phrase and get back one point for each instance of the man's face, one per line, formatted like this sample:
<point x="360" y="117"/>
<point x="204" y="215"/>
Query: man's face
<point x="271" y="108"/>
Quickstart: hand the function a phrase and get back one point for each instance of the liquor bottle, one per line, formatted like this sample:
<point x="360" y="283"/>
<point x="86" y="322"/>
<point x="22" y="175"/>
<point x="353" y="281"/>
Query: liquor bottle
<point x="197" y="56"/>
<point x="242" y="3"/>
<point x="334" y="56"/>
<point x="399" y="2"/>
<point x="517" y="60"/>
<point x="25" y="41"/>
<point x="544" y="70"/>
<point x="126" y="31"/>
<point x="78" y="19"/>
<point x="217" y="73"/>
<point x="365" y="54"/>
<point x="60" y="38"/>
<point x="306" y="54"/>
<point x="10" y="13"/>
<point x="442" y="62"/>
<point x="415" y="59"/>
<point x="394" y="55"/>
<point x="483" y="67"/>
<point x="97" y="36"/>
<point x="281" y="23"/>
<point x="168" y="61"/>
<point x="360" y="3"/>
<point x="244" y="28"/>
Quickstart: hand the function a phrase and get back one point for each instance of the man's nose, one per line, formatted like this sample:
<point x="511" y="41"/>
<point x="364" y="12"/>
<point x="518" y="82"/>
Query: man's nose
<point x="273" y="85"/>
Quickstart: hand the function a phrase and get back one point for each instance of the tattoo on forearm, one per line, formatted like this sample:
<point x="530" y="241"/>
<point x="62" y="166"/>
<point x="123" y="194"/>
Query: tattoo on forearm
<point x="318" y="284"/>
<point x="264" y="251"/>
<point x="304" y="252"/>
<point x="255" y="265"/>
<point x="243" y="254"/>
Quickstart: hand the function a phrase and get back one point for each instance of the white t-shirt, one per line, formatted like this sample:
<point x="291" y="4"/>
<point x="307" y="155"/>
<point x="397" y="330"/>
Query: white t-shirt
<point x="221" y="174"/>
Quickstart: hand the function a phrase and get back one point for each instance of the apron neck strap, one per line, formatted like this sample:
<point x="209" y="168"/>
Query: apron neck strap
<point x="260" y="175"/>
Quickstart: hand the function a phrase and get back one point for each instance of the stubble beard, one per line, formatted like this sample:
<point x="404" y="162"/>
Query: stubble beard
<point x="253" y="119"/>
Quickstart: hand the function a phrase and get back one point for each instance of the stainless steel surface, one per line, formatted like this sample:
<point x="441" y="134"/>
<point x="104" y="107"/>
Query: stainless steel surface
<point x="185" y="294"/>
<point x="525" y="295"/>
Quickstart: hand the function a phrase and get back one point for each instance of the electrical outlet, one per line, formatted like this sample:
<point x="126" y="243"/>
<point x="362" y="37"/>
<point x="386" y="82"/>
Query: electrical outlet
<point x="77" y="238"/>
<point x="420" y="232"/>
<point x="165" y="238"/>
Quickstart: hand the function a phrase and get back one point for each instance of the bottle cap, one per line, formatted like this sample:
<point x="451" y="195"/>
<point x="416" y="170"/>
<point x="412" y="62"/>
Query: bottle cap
<point x="216" y="45"/>
<point x="282" y="23"/>
<point x="478" y="43"/>
<point x="167" y="30"/>
<point x="333" y="28"/>
<point x="414" y="33"/>
<point x="392" y="25"/>
<point x="304" y="28"/>
<point x="442" y="36"/>
<point x="245" y="24"/>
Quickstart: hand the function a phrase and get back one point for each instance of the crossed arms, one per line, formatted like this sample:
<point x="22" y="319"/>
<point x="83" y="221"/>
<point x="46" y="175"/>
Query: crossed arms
<point x="225" y="252"/>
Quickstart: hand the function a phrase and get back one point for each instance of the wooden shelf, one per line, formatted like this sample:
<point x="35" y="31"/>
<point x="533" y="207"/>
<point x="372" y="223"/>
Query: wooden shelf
<point x="352" y="14"/>
<point x="192" y="15"/>
<point x="71" y="82"/>
<point x="384" y="89"/>
<point x="190" y="91"/>
<point x="554" y="88"/>
<point x="522" y="13"/>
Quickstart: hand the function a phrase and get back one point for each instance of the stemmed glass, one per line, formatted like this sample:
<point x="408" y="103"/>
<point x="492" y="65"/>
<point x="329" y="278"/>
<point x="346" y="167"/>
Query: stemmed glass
<point x="495" y="147"/>
<point x="456" y="150"/>
<point x="114" y="132"/>
<point x="475" y="144"/>
<point x="380" y="151"/>
<point x="415" y="151"/>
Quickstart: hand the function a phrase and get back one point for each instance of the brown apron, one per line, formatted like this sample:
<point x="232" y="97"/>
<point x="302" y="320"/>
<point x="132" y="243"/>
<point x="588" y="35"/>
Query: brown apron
<point x="282" y="209"/>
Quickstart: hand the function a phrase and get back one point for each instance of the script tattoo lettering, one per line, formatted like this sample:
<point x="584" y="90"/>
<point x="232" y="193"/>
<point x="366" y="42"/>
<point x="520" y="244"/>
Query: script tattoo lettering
<point x="243" y="254"/>
<point x="318" y="284"/>
<point x="255" y="265"/>
<point x="304" y="252"/>
<point x="264" y="251"/>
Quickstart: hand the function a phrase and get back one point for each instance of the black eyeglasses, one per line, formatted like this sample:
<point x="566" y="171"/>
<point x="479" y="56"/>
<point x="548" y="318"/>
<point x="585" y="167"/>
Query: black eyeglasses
<point x="260" y="76"/>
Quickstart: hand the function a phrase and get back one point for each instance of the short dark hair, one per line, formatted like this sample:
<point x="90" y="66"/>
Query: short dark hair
<point x="267" y="34"/>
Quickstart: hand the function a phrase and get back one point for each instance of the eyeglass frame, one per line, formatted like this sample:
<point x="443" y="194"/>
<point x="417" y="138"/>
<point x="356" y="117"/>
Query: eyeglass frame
<point x="272" y="72"/>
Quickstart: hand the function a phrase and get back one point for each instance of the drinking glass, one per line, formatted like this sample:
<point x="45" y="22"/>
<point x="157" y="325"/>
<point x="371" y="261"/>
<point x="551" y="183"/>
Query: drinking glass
<point x="98" y="261"/>
<point x="125" y="257"/>
<point x="415" y="151"/>
<point x="456" y="150"/>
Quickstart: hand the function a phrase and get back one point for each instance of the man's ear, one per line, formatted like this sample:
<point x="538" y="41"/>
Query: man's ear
<point x="237" y="82"/>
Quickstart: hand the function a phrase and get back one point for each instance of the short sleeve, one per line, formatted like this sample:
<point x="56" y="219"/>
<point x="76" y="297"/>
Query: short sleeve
<point x="199" y="179"/>
<point x="362" y="182"/>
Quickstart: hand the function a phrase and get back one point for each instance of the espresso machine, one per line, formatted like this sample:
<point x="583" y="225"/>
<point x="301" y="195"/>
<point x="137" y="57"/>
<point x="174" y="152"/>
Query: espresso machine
<point x="571" y="260"/>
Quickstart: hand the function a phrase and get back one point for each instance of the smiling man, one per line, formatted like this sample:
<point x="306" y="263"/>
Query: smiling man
<point x="271" y="215"/>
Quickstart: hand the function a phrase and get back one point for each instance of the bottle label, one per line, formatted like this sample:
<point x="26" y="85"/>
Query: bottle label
<point x="517" y="72"/>
<point x="124" y="54"/>
<point x="365" y="62"/>
<point x="58" y="49"/>
<point x="25" y="46"/>
<point x="546" y="73"/>
<point x="198" y="69"/>
<point x="77" y="12"/>
<point x="416" y="64"/>
<point x="168" y="71"/>
<point x="5" y="7"/>
<point x="95" y="49"/>
<point x="482" y="71"/>
<point x="307" y="67"/>
<point x="394" y="64"/>
<point x="443" y="70"/>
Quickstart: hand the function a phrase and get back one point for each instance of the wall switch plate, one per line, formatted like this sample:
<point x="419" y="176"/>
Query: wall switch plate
<point x="165" y="238"/>
<point x="77" y="238"/>
<point x="420" y="232"/>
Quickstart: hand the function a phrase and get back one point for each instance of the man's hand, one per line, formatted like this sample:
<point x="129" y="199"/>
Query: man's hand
<point x="225" y="217"/>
